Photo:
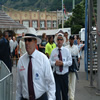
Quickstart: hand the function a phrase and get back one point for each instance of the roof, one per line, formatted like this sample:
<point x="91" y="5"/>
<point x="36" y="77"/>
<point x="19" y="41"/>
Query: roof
<point x="53" y="31"/>
<point x="48" y="32"/>
<point x="7" y="23"/>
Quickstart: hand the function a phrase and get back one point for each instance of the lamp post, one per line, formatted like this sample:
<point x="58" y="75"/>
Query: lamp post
<point x="98" y="47"/>
<point x="62" y="15"/>
<point x="73" y="4"/>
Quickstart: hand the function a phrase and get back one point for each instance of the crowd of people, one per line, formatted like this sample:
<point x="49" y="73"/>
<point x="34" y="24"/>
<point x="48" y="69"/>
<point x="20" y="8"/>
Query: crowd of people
<point x="47" y="68"/>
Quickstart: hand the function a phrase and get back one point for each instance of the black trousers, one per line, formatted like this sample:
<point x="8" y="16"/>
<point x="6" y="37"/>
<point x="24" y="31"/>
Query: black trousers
<point x="61" y="86"/>
<point x="43" y="97"/>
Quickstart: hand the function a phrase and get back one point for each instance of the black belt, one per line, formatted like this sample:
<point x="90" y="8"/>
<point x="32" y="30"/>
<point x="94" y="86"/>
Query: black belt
<point x="45" y="94"/>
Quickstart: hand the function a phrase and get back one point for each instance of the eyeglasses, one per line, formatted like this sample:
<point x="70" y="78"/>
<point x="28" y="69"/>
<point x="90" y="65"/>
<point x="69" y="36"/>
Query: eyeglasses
<point x="59" y="39"/>
<point x="28" y="39"/>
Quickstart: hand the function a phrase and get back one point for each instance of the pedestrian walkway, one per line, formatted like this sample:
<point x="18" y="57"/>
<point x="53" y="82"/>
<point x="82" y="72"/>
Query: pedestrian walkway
<point x="83" y="91"/>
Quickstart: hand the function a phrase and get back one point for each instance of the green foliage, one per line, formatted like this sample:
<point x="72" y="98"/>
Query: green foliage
<point x="60" y="26"/>
<point x="68" y="23"/>
<point x="50" y="5"/>
<point x="77" y="21"/>
<point x="75" y="29"/>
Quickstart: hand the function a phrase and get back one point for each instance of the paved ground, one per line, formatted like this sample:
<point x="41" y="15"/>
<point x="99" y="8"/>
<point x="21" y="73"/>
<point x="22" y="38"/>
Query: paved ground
<point x="83" y="91"/>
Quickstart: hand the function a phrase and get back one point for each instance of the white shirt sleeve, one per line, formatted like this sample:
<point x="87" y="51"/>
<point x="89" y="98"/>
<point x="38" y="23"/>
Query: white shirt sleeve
<point x="52" y="62"/>
<point x="49" y="80"/>
<point x="19" y="87"/>
<point x="51" y="59"/>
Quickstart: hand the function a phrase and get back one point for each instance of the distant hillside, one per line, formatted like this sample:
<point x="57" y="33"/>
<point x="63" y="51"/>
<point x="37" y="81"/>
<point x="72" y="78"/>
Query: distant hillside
<point x="49" y="5"/>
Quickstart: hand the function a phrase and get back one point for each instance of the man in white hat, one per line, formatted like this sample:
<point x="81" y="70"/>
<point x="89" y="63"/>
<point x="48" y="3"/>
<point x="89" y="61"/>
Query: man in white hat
<point x="61" y="59"/>
<point x="35" y="79"/>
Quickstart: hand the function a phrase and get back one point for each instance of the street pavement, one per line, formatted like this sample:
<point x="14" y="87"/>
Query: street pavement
<point x="83" y="90"/>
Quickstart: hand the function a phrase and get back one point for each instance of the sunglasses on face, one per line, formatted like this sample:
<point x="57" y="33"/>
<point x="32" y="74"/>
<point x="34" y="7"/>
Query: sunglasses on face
<point x="28" y="39"/>
<point x="59" y="39"/>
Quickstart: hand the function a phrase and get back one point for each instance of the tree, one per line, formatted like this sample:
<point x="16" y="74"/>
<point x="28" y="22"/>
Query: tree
<point x="77" y="21"/>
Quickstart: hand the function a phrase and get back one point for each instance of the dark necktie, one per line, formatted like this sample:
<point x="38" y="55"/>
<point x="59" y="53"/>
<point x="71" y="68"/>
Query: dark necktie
<point x="30" y="81"/>
<point x="60" y="58"/>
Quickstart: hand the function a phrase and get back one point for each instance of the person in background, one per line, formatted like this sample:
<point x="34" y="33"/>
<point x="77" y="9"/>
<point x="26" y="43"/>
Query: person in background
<point x="67" y="41"/>
<point x="22" y="46"/>
<point x="15" y="51"/>
<point x="73" y="68"/>
<point x="49" y="46"/>
<point x="18" y="48"/>
<point x="11" y="45"/>
<point x="80" y="46"/>
<point x="75" y="40"/>
<point x="43" y="43"/>
<point x="5" y="50"/>
<point x="35" y="80"/>
<point x="81" y="42"/>
<point x="61" y="59"/>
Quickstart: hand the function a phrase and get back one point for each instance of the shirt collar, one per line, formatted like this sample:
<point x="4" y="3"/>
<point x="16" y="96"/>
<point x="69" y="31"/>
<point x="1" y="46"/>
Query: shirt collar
<point x="71" y="46"/>
<point x="33" y="54"/>
<point x="60" y="48"/>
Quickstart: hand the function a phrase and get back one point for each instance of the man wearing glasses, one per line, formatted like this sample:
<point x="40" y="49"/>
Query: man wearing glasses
<point x="61" y="59"/>
<point x="35" y="79"/>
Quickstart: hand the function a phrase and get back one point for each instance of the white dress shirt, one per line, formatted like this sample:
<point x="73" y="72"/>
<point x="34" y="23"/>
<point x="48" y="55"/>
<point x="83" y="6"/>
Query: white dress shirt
<point x="79" y="48"/>
<point x="66" y="58"/>
<point x="15" y="43"/>
<point x="43" y="80"/>
<point x="74" y="50"/>
<point x="22" y="47"/>
<point x="11" y="45"/>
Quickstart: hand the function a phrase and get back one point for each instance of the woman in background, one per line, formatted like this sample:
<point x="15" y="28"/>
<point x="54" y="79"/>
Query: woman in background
<point x="43" y="43"/>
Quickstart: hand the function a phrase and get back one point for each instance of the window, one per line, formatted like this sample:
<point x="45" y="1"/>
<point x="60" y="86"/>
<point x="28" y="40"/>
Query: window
<point x="54" y="24"/>
<point x="42" y="24"/>
<point x="34" y="24"/>
<point x="26" y="23"/>
<point x="49" y="24"/>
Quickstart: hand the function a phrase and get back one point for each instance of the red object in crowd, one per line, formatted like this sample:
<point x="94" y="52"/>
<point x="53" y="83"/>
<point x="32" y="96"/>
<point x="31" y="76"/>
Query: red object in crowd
<point x="37" y="47"/>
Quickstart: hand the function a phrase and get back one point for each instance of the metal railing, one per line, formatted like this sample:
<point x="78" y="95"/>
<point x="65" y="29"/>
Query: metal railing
<point x="6" y="83"/>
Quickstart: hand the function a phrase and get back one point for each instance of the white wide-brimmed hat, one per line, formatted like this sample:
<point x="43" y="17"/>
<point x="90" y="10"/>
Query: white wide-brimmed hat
<point x="30" y="34"/>
<point x="59" y="34"/>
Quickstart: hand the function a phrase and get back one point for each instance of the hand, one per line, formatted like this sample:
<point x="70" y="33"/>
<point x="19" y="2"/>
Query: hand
<point x="78" y="60"/>
<point x="58" y="63"/>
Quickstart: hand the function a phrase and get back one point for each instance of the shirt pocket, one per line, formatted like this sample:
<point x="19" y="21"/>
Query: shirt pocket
<point x="64" y="59"/>
<point x="38" y="75"/>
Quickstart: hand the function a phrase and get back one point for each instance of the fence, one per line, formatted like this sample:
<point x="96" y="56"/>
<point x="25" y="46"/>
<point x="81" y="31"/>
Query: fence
<point x="6" y="83"/>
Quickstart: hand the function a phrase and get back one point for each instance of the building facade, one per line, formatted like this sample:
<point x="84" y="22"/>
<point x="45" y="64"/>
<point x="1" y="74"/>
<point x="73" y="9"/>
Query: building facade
<point x="65" y="17"/>
<point x="38" y="20"/>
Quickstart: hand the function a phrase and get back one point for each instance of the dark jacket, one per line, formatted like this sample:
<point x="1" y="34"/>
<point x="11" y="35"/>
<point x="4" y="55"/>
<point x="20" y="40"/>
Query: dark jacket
<point x="5" y="52"/>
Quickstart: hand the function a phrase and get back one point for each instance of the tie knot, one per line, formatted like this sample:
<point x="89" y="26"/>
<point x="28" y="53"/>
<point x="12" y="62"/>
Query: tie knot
<point x="30" y="57"/>
<point x="59" y="49"/>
